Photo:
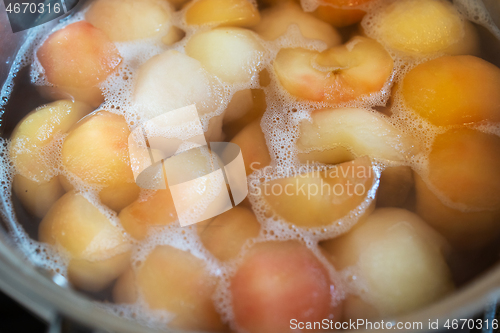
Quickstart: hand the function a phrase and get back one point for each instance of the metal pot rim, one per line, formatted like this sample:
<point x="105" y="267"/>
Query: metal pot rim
<point x="38" y="293"/>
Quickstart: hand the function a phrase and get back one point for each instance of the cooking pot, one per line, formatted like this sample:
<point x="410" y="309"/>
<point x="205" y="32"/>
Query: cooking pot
<point x="49" y="297"/>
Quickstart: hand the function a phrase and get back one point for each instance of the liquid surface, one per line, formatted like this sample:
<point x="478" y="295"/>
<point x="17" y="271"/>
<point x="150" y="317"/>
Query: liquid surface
<point x="281" y="126"/>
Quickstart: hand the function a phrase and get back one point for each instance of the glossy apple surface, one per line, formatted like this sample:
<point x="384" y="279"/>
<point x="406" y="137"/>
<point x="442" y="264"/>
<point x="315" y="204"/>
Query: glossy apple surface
<point x="337" y="135"/>
<point x="320" y="198"/>
<point x="232" y="54"/>
<point x="76" y="59"/>
<point x="460" y="196"/>
<point x="126" y="20"/>
<point x="99" y="252"/>
<point x="35" y="184"/>
<point x="175" y="281"/>
<point x="339" y="74"/>
<point x="423" y="27"/>
<point x="96" y="150"/>
<point x="225" y="235"/>
<point x="277" y="282"/>
<point x="276" y="20"/>
<point x="399" y="258"/>
<point x="453" y="90"/>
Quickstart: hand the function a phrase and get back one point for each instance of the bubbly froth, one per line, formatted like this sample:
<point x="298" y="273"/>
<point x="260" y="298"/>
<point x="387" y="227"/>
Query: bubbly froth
<point x="280" y="125"/>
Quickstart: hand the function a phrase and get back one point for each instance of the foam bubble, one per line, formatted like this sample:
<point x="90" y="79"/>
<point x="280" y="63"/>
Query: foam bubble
<point x="280" y="124"/>
<point x="477" y="11"/>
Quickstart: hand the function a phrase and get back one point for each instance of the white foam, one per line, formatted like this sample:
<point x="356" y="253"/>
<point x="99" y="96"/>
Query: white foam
<point x="477" y="11"/>
<point x="280" y="125"/>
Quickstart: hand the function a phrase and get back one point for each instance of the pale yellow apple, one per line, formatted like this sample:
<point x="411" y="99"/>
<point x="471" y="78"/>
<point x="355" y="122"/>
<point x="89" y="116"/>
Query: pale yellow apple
<point x="126" y="20"/>
<point x="37" y="197"/>
<point x="176" y="281"/>
<point x="35" y="184"/>
<point x="36" y="131"/>
<point x="232" y="54"/>
<point x="225" y="235"/>
<point x="276" y="20"/>
<point x="399" y="258"/>
<point x="337" y="135"/>
<point x="96" y="150"/>
<point x="320" y="198"/>
<point x="156" y="93"/>
<point x="99" y="251"/>
<point x="423" y="27"/>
